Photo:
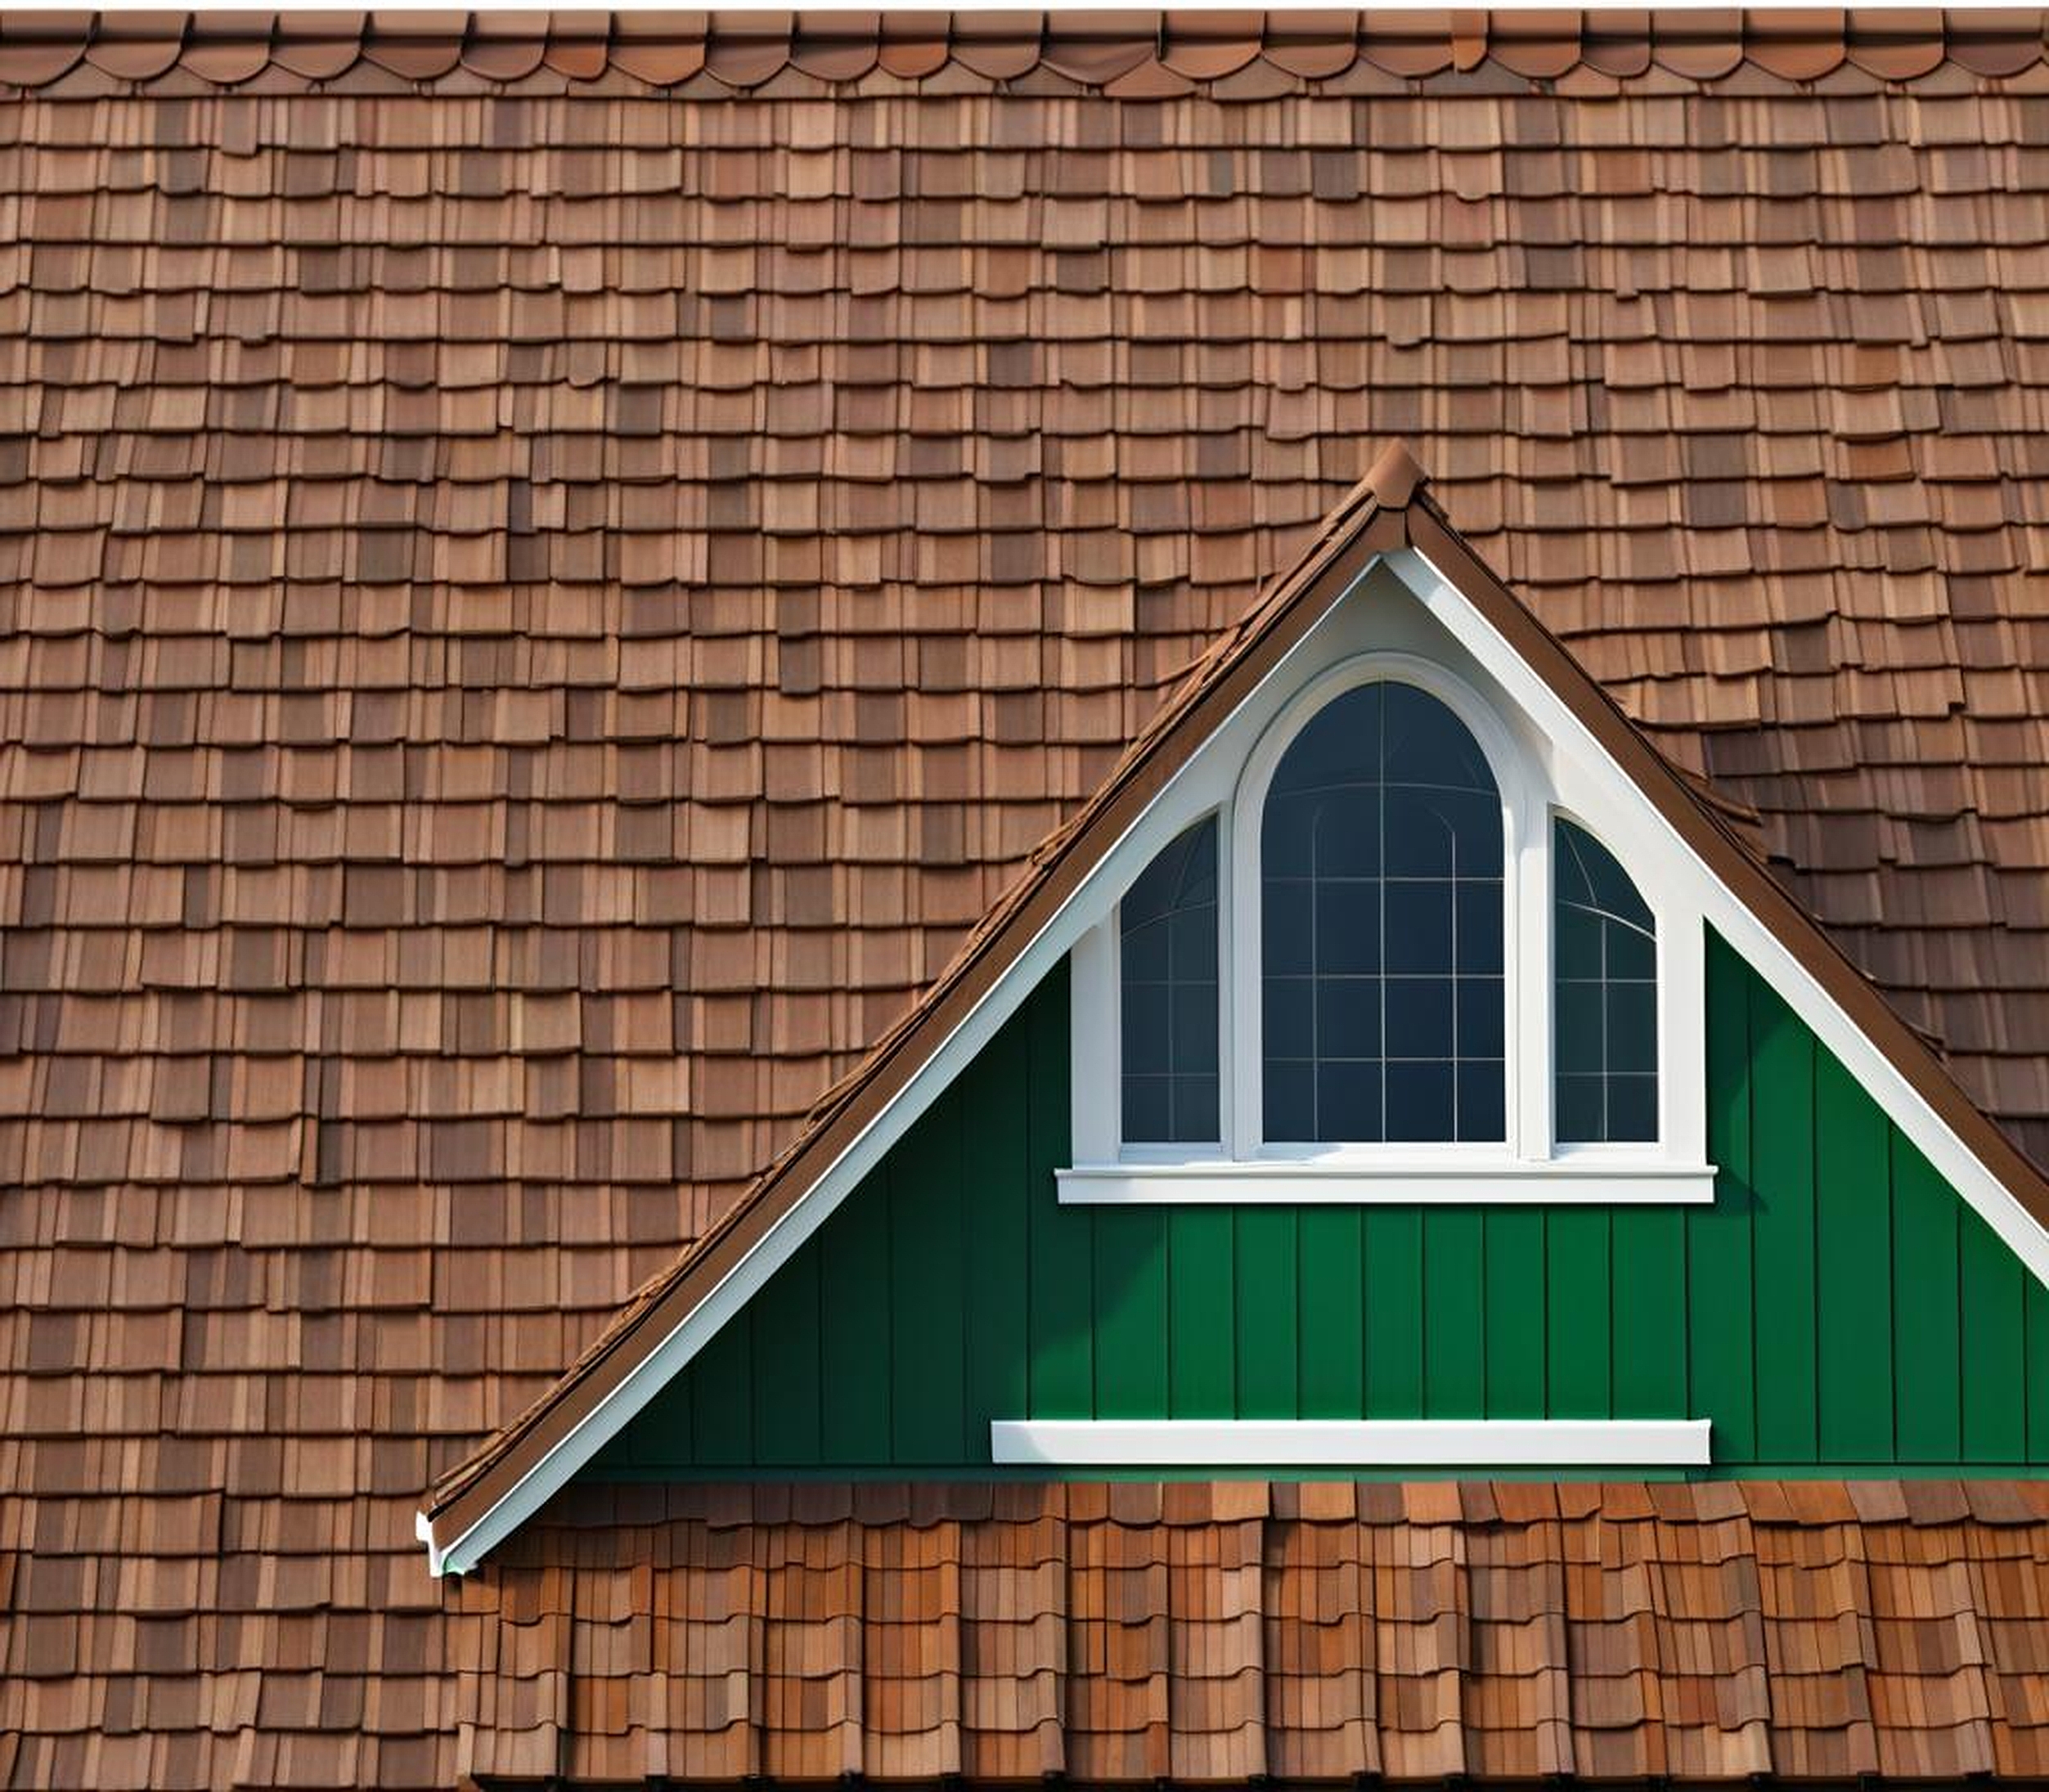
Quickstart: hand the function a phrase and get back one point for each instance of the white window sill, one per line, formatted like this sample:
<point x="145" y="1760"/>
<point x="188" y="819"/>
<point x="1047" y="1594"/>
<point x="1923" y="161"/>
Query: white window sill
<point x="1594" y="1178"/>
<point x="1354" y="1443"/>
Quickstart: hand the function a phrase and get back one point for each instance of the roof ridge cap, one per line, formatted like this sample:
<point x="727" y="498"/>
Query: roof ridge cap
<point x="1147" y="55"/>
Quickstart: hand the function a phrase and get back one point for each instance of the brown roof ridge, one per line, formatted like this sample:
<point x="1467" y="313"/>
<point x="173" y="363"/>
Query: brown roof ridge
<point x="1389" y="509"/>
<point x="1129" y="55"/>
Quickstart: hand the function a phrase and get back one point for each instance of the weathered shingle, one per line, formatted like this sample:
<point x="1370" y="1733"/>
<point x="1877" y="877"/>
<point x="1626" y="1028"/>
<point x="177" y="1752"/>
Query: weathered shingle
<point x="546" y="580"/>
<point x="1308" y="1632"/>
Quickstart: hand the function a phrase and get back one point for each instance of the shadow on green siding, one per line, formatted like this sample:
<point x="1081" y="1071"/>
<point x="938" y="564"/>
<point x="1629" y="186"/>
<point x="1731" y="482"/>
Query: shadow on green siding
<point x="1838" y="1308"/>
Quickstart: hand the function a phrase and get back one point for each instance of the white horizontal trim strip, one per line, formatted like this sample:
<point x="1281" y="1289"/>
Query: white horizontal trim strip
<point x="1424" y="1183"/>
<point x="1352" y="1443"/>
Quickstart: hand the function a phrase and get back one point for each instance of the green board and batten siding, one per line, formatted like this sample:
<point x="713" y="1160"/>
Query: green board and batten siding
<point x="1837" y="1308"/>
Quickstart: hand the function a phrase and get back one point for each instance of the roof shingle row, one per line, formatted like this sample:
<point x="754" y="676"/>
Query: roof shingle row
<point x="1211" y="1633"/>
<point x="1126" y="55"/>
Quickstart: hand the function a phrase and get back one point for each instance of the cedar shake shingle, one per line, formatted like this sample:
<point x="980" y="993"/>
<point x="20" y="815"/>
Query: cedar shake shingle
<point x="538" y="602"/>
<point x="1717" y="1632"/>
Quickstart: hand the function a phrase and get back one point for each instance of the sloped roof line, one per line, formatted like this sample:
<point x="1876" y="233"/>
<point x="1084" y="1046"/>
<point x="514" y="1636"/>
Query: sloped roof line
<point x="1711" y="832"/>
<point x="1347" y="538"/>
<point x="1388" y="509"/>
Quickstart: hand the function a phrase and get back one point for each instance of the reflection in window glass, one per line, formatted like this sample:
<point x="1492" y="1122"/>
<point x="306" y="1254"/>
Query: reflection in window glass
<point x="1167" y="935"/>
<point x="1381" y="902"/>
<point x="1606" y="956"/>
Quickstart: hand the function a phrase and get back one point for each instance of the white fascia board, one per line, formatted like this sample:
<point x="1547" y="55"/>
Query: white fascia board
<point x="1343" y="1443"/>
<point x="1904" y="1104"/>
<point x="1090" y="901"/>
<point x="1556" y="1182"/>
<point x="436" y="1557"/>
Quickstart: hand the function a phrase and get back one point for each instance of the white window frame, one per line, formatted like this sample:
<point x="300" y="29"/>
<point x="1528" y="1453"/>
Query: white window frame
<point x="1537" y="786"/>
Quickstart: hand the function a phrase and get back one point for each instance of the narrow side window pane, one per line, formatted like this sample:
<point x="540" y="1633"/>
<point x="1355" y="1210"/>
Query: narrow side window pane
<point x="1605" y="996"/>
<point x="1166" y="939"/>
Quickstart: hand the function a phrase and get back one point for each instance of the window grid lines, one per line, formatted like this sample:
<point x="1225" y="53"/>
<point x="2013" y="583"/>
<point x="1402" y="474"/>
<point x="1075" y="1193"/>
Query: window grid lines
<point x="1167" y="972"/>
<point x="1380" y="910"/>
<point x="1605" y="956"/>
<point x="1422" y="1076"/>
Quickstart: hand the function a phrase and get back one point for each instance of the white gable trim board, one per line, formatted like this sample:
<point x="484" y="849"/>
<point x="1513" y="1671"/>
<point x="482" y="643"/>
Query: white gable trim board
<point x="1648" y="836"/>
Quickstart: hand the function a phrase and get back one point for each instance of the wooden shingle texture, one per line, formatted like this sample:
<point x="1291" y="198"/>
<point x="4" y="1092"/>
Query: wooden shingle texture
<point x="547" y="577"/>
<point x="1200" y="1634"/>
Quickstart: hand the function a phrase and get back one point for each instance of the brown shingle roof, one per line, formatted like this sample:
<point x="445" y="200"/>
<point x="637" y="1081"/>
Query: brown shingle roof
<point x="1308" y="1632"/>
<point x="534" y="614"/>
<point x="1126" y="56"/>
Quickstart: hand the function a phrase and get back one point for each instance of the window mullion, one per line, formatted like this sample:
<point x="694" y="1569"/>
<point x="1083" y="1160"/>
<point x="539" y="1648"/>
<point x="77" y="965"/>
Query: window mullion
<point x="1529" y="980"/>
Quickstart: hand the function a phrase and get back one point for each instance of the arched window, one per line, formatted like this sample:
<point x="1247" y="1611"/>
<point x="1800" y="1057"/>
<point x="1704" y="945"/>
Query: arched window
<point x="1605" y="948"/>
<point x="1382" y="912"/>
<point x="1376" y="941"/>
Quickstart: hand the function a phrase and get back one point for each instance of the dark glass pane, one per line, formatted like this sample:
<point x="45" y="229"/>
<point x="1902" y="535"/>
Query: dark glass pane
<point x="1420" y="1105"/>
<point x="1194" y="935"/>
<point x="1148" y="1029"/>
<point x="1580" y="1116"/>
<point x="1482" y="1107"/>
<point x="1152" y="893"/>
<point x="1384" y="810"/>
<point x="1291" y="1018"/>
<point x="1348" y="1017"/>
<point x="1148" y="1107"/>
<point x="1287" y="907"/>
<point x="1576" y="943"/>
<point x="1288" y="839"/>
<point x="1589" y="875"/>
<point x="1348" y="928"/>
<point x="1347" y="835"/>
<point x="1166" y="952"/>
<point x="1146" y="951"/>
<point x="1476" y="822"/>
<point x="1419" y="1010"/>
<point x="1581" y="1018"/>
<point x="1338" y="746"/>
<point x="1633" y="1027"/>
<point x="1480" y="1024"/>
<point x="1195" y="1109"/>
<point x="1348" y="1100"/>
<point x="1419" y="921"/>
<point x="1632" y="1108"/>
<point x="1419" y="841"/>
<point x="1632" y="957"/>
<point x="1291" y="1101"/>
<point x="1198" y="871"/>
<point x="1476" y="913"/>
<point x="1195" y="1030"/>
<point x="1427" y="745"/>
<point x="1604" y="995"/>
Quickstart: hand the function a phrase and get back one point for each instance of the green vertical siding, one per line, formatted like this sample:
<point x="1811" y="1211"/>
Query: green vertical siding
<point x="1838" y="1307"/>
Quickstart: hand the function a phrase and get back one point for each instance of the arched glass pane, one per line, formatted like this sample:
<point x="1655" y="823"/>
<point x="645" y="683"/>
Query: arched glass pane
<point x="1380" y="896"/>
<point x="1166" y="939"/>
<point x="1606" y="950"/>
